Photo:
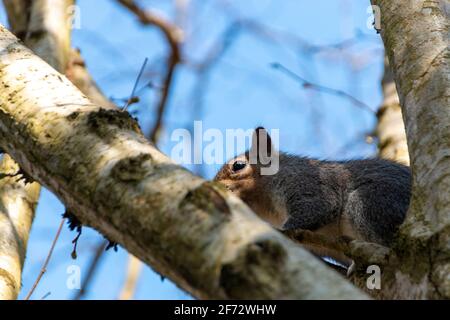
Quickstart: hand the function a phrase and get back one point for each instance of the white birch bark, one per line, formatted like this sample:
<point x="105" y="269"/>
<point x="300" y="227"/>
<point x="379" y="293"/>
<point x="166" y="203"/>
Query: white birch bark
<point x="17" y="200"/>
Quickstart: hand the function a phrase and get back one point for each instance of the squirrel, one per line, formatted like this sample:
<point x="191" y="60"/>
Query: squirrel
<point x="360" y="199"/>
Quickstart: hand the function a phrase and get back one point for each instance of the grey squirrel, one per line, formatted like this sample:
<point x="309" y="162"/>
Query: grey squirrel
<point x="361" y="199"/>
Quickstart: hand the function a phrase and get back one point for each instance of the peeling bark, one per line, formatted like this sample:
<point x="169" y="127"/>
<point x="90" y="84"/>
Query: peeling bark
<point x="416" y="38"/>
<point x="96" y="160"/>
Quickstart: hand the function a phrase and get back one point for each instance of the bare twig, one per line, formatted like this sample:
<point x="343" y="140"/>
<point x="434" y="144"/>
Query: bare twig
<point x="172" y="63"/>
<point x="99" y="253"/>
<point x="309" y="85"/>
<point x="133" y="92"/>
<point x="218" y="49"/>
<point x="278" y="35"/>
<point x="173" y="35"/>
<point x="47" y="260"/>
<point x="46" y="295"/>
<point x="132" y="277"/>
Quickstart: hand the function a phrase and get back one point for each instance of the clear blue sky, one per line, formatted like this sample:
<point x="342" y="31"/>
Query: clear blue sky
<point x="242" y="92"/>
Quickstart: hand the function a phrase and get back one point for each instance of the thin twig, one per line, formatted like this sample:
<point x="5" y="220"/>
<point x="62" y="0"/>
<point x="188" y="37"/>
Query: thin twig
<point x="171" y="31"/>
<point x="309" y="85"/>
<point x="47" y="260"/>
<point x="46" y="295"/>
<point x="99" y="253"/>
<point x="132" y="277"/>
<point x="133" y="92"/>
<point x="173" y="36"/>
<point x="172" y="63"/>
<point x="278" y="35"/>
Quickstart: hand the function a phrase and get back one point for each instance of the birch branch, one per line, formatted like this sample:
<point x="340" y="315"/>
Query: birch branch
<point x="17" y="203"/>
<point x="416" y="39"/>
<point x="134" y="268"/>
<point x="18" y="200"/>
<point x="173" y="35"/>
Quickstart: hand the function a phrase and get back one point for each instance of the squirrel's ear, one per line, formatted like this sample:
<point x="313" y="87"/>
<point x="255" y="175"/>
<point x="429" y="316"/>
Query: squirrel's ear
<point x="261" y="142"/>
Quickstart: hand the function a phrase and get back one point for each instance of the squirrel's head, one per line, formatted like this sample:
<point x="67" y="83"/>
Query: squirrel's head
<point x="242" y="174"/>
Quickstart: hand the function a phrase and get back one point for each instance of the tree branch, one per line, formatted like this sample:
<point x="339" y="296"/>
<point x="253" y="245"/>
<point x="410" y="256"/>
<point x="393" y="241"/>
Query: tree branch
<point x="47" y="260"/>
<point x="134" y="268"/>
<point x="173" y="36"/>
<point x="17" y="204"/>
<point x="415" y="34"/>
<point x="18" y="200"/>
<point x="94" y="263"/>
<point x="309" y="85"/>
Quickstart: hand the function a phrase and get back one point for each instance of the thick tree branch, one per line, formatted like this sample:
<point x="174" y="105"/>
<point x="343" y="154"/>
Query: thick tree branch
<point x="99" y="164"/>
<point x="18" y="200"/>
<point x="416" y="38"/>
<point x="45" y="27"/>
<point x="17" y="203"/>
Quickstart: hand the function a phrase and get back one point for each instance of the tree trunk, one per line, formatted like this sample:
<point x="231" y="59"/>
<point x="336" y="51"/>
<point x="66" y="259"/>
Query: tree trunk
<point x="96" y="160"/>
<point x="416" y="38"/>
<point x="17" y="199"/>
<point x="17" y="204"/>
<point x="390" y="130"/>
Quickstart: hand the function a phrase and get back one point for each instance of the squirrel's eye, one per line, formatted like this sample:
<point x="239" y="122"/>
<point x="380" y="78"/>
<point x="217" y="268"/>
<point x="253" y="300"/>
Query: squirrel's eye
<point x="239" y="165"/>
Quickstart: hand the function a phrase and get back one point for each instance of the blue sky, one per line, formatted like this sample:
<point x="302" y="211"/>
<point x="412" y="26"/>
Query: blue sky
<point x="241" y="91"/>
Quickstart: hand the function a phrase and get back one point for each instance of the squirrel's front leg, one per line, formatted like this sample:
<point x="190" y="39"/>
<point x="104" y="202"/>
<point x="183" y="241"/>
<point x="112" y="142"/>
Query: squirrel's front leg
<point x="330" y="230"/>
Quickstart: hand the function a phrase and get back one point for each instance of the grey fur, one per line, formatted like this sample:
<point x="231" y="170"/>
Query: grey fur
<point x="373" y="193"/>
